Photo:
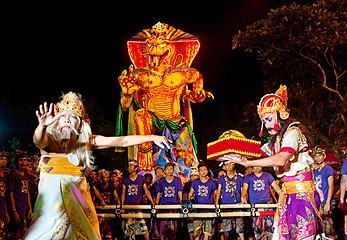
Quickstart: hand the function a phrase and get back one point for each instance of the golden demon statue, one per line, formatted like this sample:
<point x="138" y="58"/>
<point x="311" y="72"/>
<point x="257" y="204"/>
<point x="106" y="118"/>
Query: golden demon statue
<point x="153" y="89"/>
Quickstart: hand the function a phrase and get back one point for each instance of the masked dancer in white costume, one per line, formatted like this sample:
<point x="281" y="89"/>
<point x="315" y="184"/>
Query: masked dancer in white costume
<point x="64" y="209"/>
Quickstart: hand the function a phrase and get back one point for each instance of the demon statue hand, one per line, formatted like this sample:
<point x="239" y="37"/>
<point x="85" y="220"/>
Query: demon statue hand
<point x="154" y="89"/>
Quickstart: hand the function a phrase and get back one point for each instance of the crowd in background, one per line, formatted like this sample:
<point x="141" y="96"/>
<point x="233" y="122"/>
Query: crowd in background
<point x="18" y="192"/>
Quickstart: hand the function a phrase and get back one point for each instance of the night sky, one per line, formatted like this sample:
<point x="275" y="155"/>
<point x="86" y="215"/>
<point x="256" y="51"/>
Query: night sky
<point x="57" y="48"/>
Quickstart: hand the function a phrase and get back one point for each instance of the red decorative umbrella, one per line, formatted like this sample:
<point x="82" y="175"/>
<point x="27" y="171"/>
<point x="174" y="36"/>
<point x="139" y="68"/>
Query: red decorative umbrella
<point x="331" y="158"/>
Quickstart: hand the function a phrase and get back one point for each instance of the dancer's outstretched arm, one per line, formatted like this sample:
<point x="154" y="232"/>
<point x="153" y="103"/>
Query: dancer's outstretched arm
<point x="101" y="142"/>
<point x="272" y="161"/>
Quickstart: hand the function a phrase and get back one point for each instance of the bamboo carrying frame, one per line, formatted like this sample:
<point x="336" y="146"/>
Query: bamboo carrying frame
<point x="216" y="210"/>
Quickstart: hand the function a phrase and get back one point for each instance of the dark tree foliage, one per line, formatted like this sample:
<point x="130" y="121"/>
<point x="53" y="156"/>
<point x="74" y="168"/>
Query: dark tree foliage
<point x="304" y="47"/>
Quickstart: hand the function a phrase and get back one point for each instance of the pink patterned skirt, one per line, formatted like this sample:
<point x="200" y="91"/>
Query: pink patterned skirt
<point x="299" y="219"/>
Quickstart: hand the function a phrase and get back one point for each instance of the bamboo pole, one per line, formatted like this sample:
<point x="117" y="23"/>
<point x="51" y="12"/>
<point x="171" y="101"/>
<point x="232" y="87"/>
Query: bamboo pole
<point x="178" y="206"/>
<point x="254" y="211"/>
<point x="179" y="215"/>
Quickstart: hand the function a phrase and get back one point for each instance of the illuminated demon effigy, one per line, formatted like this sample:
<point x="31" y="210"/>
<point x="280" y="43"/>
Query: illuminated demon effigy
<point x="152" y="91"/>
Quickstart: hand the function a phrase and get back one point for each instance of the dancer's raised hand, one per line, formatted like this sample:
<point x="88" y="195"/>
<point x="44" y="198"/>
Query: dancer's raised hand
<point x="45" y="115"/>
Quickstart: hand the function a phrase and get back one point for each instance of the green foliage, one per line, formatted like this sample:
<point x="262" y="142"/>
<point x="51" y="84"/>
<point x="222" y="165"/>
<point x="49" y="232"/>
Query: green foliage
<point x="304" y="47"/>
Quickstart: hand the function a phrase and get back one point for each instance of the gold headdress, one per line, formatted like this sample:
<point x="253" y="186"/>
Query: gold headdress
<point x="274" y="103"/>
<point x="72" y="102"/>
<point x="119" y="173"/>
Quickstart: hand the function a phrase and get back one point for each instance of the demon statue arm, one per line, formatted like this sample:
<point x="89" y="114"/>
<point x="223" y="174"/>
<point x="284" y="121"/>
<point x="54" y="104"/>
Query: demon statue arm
<point x="198" y="94"/>
<point x="129" y="87"/>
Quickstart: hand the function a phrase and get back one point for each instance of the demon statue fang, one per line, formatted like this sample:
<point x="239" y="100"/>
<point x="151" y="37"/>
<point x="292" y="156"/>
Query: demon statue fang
<point x="152" y="91"/>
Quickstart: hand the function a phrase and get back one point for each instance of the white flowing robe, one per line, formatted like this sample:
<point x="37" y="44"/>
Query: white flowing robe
<point x="63" y="209"/>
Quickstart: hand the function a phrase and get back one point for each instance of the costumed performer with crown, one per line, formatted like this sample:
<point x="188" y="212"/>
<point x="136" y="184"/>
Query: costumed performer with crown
<point x="297" y="216"/>
<point x="64" y="209"/>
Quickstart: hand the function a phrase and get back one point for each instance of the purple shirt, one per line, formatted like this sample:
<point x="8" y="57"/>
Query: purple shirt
<point x="133" y="190"/>
<point x="204" y="191"/>
<point x="169" y="191"/>
<point x="344" y="167"/>
<point x="3" y="197"/>
<point x="259" y="187"/>
<point x="227" y="198"/>
<point x="107" y="193"/>
<point x="321" y="180"/>
<point x="18" y="184"/>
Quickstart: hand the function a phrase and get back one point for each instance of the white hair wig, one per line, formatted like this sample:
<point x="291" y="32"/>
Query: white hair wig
<point x="83" y="144"/>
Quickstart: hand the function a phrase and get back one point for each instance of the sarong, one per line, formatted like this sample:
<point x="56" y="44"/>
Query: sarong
<point x="299" y="219"/>
<point x="135" y="226"/>
<point x="64" y="208"/>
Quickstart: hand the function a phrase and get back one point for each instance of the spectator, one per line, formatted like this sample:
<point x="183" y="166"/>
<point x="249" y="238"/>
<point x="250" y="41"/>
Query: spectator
<point x="94" y="183"/>
<point x="116" y="176"/>
<point x="149" y="179"/>
<point x="204" y="189"/>
<point x="154" y="226"/>
<point x="324" y="181"/>
<point x="169" y="191"/>
<point x="19" y="195"/>
<point x="34" y="178"/>
<point x="106" y="190"/>
<point x="258" y="185"/>
<point x="4" y="216"/>
<point x="132" y="195"/>
<point x="221" y="172"/>
<point x="229" y="188"/>
<point x="343" y="188"/>
<point x="193" y="174"/>
<point x="159" y="173"/>
<point x="248" y="170"/>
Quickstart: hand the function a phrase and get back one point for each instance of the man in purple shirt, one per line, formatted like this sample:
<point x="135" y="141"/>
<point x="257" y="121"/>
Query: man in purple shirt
<point x="257" y="184"/>
<point x="4" y="216"/>
<point x="204" y="189"/>
<point x="169" y="191"/>
<point x="19" y="195"/>
<point x="343" y="188"/>
<point x="324" y="181"/>
<point x="229" y="186"/>
<point x="106" y="190"/>
<point x="132" y="195"/>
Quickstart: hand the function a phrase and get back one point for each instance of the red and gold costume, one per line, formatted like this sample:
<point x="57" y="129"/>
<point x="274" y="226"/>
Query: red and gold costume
<point x="299" y="218"/>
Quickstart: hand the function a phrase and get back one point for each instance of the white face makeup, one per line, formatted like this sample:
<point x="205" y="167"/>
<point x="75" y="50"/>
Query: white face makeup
<point x="68" y="123"/>
<point x="269" y="121"/>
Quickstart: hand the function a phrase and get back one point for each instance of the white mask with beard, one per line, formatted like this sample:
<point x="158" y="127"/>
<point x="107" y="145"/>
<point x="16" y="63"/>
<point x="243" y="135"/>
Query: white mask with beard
<point x="65" y="134"/>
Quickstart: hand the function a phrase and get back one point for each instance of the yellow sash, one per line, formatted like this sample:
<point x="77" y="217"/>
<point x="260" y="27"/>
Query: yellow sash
<point x="54" y="164"/>
<point x="299" y="187"/>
